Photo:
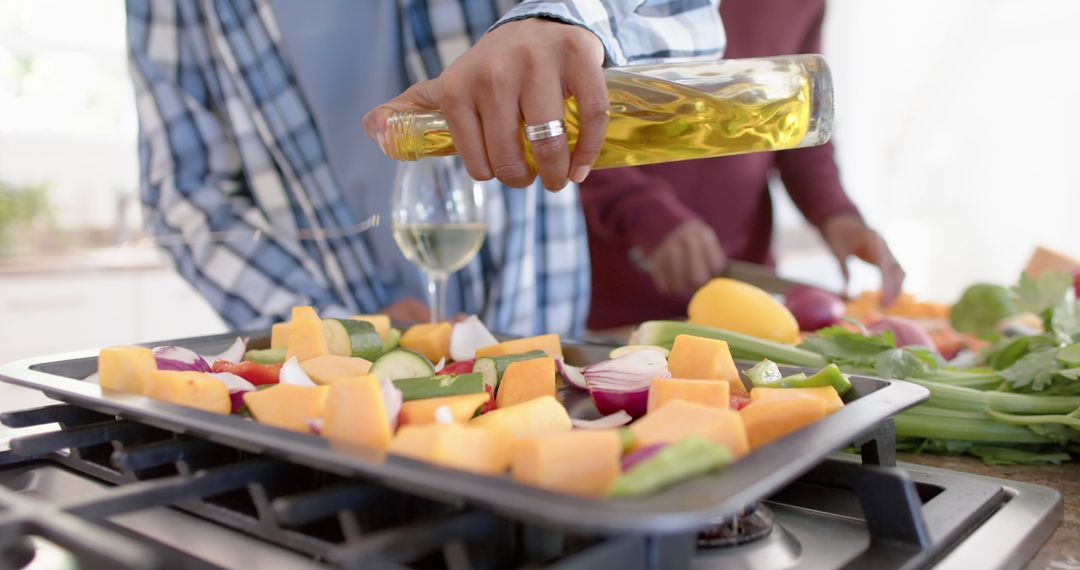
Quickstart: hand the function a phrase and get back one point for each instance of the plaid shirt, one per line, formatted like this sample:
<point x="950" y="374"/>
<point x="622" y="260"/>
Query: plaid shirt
<point x="227" y="143"/>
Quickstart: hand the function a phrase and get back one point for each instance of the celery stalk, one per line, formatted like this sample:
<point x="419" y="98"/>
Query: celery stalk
<point x="929" y="422"/>
<point x="663" y="333"/>
<point x="1022" y="420"/>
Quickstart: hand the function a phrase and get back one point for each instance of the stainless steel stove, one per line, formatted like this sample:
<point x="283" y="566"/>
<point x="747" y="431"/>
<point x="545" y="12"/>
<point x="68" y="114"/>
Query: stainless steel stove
<point x="87" y="490"/>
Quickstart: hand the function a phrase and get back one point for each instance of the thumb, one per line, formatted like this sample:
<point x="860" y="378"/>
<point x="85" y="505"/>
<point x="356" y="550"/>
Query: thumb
<point x="423" y="96"/>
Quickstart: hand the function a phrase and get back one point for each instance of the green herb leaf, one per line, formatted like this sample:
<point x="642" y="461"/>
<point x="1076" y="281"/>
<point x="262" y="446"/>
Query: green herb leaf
<point x="898" y="363"/>
<point x="1036" y="295"/>
<point x="1035" y="370"/>
<point x="1070" y="373"/>
<point x="1065" y="321"/>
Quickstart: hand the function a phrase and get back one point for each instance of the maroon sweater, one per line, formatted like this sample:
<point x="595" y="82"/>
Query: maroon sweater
<point x="638" y="206"/>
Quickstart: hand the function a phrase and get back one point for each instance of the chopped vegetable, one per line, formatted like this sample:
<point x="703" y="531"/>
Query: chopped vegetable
<point x="813" y="308"/>
<point x="380" y="322"/>
<point x="236" y="386"/>
<point x="621" y="350"/>
<point x="266" y="355"/>
<point x="826" y="394"/>
<point x="766" y="374"/>
<point x="525" y="380"/>
<point x="634" y="457"/>
<point x="257" y="374"/>
<point x="125" y="368"/>
<point x="331" y="368"/>
<point x="980" y="308"/>
<point x="292" y="373"/>
<point x="356" y="414"/>
<point x="583" y="463"/>
<point x="623" y="383"/>
<point x="618" y="419"/>
<point x="288" y="406"/>
<point x="461" y="408"/>
<point x="769" y="420"/>
<point x="429" y="339"/>
<point x="493" y="367"/>
<point x="348" y="337"/>
<point x="189" y="388"/>
<point x="459" y="367"/>
<point x="440" y="386"/>
<point x="402" y="363"/>
<point x="689" y="457"/>
<point x="467" y="336"/>
<point x="678" y="419"/>
<point x="466" y="447"/>
<point x="234" y="353"/>
<point x="535" y="417"/>
<point x="179" y="358"/>
<point x="307" y="338"/>
<point x="572" y="374"/>
<point x="716" y="393"/>
<point x="549" y="343"/>
<point x="702" y="358"/>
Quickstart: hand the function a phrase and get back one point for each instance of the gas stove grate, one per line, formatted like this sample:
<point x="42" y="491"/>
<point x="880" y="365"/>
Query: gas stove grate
<point x="347" y="523"/>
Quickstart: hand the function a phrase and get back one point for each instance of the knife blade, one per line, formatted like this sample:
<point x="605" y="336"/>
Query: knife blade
<point x="753" y="273"/>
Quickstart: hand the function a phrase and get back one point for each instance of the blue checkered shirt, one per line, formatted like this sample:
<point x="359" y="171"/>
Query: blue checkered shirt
<point x="228" y="144"/>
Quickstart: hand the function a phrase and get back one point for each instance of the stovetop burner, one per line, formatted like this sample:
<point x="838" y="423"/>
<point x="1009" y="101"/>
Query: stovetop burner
<point x="753" y="523"/>
<point x="101" y="489"/>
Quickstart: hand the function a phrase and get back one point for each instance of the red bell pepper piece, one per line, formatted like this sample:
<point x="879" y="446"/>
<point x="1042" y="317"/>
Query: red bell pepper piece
<point x="738" y="401"/>
<point x="257" y="374"/>
<point x="458" y="367"/>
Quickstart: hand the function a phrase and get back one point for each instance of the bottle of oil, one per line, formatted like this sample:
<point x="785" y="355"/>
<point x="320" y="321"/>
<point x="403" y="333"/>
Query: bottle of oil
<point x="678" y="111"/>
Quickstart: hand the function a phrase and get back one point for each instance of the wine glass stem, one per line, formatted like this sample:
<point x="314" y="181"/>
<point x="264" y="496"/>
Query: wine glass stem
<point x="436" y="286"/>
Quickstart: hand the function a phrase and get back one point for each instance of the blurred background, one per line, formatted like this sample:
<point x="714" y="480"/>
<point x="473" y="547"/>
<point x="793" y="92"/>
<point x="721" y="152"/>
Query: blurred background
<point x="957" y="137"/>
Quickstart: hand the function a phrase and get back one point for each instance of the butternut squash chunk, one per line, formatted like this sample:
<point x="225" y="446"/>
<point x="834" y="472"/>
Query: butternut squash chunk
<point x="329" y="368"/>
<point x="355" y="414"/>
<point x="705" y="358"/>
<point x="678" y="418"/>
<point x="306" y="337"/>
<point x="525" y="380"/>
<point x="186" y="388"/>
<point x="769" y="420"/>
<point x="279" y="335"/>
<point x="430" y="339"/>
<point x="549" y="343"/>
<point x="826" y="393"/>
<point x="288" y="406"/>
<point x="125" y="368"/>
<point x="705" y="392"/>
<point x="535" y="417"/>
<point x="583" y="463"/>
<point x="463" y="407"/>
<point x="469" y="448"/>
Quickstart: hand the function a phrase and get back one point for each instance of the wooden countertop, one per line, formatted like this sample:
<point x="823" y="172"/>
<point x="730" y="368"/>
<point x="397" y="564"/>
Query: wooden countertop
<point x="1062" y="550"/>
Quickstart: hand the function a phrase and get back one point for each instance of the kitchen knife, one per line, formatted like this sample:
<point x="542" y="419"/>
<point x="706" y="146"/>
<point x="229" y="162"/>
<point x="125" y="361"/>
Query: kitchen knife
<point x="753" y="273"/>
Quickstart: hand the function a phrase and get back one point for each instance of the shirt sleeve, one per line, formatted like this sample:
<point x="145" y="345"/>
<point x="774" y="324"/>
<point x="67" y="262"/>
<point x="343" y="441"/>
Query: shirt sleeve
<point x="630" y="206"/>
<point x="196" y="193"/>
<point x="811" y="175"/>
<point x="636" y="30"/>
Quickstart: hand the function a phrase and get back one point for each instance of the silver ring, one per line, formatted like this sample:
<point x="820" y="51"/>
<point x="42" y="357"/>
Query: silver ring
<point x="545" y="130"/>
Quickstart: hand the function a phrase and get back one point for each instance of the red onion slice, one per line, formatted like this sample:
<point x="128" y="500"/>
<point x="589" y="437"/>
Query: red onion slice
<point x="571" y="374"/>
<point x="619" y="418"/>
<point x="235" y="352"/>
<point x="179" y="358"/>
<point x="632" y="459"/>
<point x="292" y="373"/>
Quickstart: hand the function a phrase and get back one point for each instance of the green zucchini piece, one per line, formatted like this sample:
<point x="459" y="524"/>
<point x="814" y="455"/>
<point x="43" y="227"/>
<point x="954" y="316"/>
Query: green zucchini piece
<point x="440" y="386"/>
<point x="358" y="339"/>
<point x="493" y="367"/>
<point x="266" y="355"/>
<point x="689" y="457"/>
<point x="402" y="363"/>
<point x="392" y="340"/>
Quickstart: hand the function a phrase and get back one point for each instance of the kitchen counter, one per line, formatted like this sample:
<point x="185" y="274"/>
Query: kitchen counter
<point x="1062" y="551"/>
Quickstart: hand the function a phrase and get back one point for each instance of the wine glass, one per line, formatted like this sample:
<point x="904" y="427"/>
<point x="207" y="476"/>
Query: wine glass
<point x="438" y="215"/>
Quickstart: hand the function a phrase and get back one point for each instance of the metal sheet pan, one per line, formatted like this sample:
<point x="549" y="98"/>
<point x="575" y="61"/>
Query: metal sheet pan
<point x="680" y="508"/>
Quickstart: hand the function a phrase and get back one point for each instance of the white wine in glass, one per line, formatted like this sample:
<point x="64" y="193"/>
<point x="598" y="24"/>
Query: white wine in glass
<point x="438" y="213"/>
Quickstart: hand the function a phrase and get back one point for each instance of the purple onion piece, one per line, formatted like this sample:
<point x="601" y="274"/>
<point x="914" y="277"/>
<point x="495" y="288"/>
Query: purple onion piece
<point x="314" y="425"/>
<point x="608" y="402"/>
<point x="237" y="401"/>
<point x="571" y="374"/>
<point x="292" y="373"/>
<point x="179" y="358"/>
<point x="618" y="419"/>
<point x="631" y="459"/>
<point x="235" y="352"/>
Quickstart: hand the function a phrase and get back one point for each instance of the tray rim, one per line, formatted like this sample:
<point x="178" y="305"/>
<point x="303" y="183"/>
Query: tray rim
<point x="681" y="508"/>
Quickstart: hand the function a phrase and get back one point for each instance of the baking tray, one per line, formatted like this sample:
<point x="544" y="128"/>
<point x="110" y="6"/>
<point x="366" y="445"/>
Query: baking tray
<point x="678" y="509"/>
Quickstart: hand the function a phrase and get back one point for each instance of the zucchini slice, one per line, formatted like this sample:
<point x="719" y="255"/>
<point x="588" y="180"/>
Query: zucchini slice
<point x="402" y="363"/>
<point x="346" y="337"/>
<point x="266" y="355"/>
<point x="439" y="386"/>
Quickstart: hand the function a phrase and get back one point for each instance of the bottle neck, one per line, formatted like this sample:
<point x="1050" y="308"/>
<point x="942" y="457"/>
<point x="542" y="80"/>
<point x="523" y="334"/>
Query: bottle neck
<point x="412" y="135"/>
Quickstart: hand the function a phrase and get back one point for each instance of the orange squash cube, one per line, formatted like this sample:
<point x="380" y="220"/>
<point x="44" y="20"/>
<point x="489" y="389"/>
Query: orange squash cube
<point x="549" y="343"/>
<point x="524" y="380"/>
<point x="186" y="388"/>
<point x="355" y="414"/>
<point x="826" y="393"/>
<point x="535" y="417"/>
<point x="330" y="368"/>
<point x="288" y="406"/>
<point x="582" y="462"/>
<point x="462" y="407"/>
<point x="306" y="337"/>
<point x="706" y="392"/>
<point x="705" y="358"/>
<point x="125" y="368"/>
<point x="279" y="335"/>
<point x="430" y="339"/>
<point x="469" y="448"/>
<point x="769" y="420"/>
<point x="678" y="418"/>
